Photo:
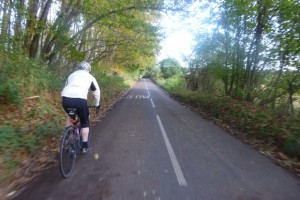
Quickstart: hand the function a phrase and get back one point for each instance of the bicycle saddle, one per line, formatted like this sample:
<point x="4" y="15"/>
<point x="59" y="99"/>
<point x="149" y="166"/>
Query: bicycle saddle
<point x="72" y="112"/>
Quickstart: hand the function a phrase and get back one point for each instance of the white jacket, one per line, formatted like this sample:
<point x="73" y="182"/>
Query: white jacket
<point x="78" y="85"/>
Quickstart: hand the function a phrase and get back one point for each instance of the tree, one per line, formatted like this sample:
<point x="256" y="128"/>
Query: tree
<point x="116" y="30"/>
<point x="170" y="67"/>
<point x="250" y="50"/>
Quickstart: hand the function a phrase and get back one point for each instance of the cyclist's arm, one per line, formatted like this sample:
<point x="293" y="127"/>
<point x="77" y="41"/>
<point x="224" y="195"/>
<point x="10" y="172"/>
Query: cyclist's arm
<point x="95" y="92"/>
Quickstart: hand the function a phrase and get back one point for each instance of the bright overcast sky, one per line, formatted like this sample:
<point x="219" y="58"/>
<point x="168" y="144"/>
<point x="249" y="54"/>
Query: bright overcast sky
<point x="180" y="31"/>
<point x="178" y="38"/>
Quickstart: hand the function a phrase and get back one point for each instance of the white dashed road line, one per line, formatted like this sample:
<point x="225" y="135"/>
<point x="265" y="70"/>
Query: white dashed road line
<point x="177" y="169"/>
<point x="176" y="166"/>
<point x="153" y="105"/>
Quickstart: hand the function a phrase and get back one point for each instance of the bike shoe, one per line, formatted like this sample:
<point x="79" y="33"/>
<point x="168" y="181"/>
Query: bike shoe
<point x="84" y="150"/>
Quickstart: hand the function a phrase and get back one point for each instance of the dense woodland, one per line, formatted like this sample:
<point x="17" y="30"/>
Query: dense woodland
<point x="61" y="32"/>
<point x="248" y="54"/>
<point x="251" y="54"/>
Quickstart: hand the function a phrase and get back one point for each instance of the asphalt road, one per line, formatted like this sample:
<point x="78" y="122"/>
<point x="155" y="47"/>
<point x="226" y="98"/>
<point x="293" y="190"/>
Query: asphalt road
<point x="150" y="147"/>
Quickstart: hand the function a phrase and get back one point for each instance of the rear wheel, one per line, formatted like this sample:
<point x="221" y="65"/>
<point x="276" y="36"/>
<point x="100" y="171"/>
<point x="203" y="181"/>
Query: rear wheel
<point x="67" y="153"/>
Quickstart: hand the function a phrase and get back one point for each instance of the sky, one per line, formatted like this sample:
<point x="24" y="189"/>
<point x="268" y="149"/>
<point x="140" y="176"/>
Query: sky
<point x="180" y="32"/>
<point x="178" y="38"/>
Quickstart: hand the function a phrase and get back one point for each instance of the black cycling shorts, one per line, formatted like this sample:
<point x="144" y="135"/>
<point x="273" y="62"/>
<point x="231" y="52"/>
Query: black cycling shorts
<point x="81" y="107"/>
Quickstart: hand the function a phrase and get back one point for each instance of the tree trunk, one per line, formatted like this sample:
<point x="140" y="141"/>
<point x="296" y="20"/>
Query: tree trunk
<point x="62" y="25"/>
<point x="276" y="83"/>
<point x="40" y="26"/>
<point x="30" y="25"/>
<point x="18" y="24"/>
<point x="293" y="87"/>
<point x="291" y="102"/>
<point x="4" y="25"/>
<point x="253" y="60"/>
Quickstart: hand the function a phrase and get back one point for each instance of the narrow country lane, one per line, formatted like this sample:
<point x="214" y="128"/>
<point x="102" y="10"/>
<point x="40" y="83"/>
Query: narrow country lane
<point x="152" y="148"/>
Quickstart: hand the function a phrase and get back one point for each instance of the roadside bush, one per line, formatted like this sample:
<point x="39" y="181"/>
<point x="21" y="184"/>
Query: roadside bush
<point x="173" y="84"/>
<point x="153" y="72"/>
<point x="292" y="143"/>
<point x="8" y="138"/>
<point x="21" y="77"/>
<point x="110" y="85"/>
<point x="9" y="92"/>
<point x="28" y="111"/>
<point x="170" y="67"/>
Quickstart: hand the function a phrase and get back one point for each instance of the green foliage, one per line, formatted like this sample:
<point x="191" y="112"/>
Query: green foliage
<point x="170" y="67"/>
<point x="24" y="122"/>
<point x="73" y="54"/>
<point x="26" y="137"/>
<point x="9" y="91"/>
<point x="292" y="145"/>
<point x="11" y="164"/>
<point x="250" y="51"/>
<point x="120" y="33"/>
<point x="153" y="72"/>
<point x="292" y="142"/>
<point x="132" y="71"/>
<point x="15" y="139"/>
<point x="112" y="84"/>
<point x="7" y="138"/>
<point x="21" y="77"/>
<point x="173" y="83"/>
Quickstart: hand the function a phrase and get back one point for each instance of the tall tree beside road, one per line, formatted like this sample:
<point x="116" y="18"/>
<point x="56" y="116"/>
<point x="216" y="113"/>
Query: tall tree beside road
<point x="170" y="67"/>
<point x="253" y="47"/>
<point x="66" y="31"/>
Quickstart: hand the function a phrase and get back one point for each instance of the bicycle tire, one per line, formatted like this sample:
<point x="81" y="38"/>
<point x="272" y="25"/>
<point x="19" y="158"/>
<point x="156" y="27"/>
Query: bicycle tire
<point x="68" y="152"/>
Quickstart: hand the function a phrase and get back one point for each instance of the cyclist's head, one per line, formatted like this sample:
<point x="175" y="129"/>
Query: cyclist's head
<point x="84" y="66"/>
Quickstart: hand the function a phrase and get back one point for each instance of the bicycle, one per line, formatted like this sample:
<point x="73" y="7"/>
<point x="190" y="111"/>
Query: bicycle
<point x="71" y="144"/>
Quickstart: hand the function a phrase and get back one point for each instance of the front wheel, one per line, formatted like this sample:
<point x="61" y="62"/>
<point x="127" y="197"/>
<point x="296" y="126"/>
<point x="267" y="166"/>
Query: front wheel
<point x="67" y="153"/>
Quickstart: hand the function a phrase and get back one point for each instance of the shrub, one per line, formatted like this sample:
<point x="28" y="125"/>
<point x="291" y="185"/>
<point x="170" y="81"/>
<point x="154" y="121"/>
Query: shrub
<point x="292" y="146"/>
<point x="111" y="85"/>
<point x="8" y="138"/>
<point x="9" y="92"/>
<point x="21" y="77"/>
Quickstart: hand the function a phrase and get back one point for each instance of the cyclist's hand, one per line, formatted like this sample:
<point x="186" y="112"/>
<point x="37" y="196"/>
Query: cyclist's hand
<point x="97" y="110"/>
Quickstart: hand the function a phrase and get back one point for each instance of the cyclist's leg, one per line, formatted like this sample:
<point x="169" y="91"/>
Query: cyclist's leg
<point x="67" y="103"/>
<point x="84" y="121"/>
<point x="85" y="134"/>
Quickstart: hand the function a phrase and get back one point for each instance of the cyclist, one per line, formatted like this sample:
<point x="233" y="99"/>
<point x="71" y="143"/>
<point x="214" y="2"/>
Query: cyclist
<point x="75" y="93"/>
